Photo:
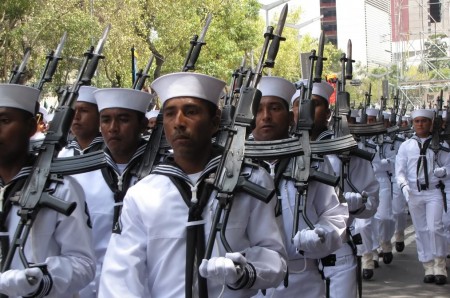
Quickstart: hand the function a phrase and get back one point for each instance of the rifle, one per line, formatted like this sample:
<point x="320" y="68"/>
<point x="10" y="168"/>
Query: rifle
<point x="142" y="75"/>
<point x="36" y="193"/>
<point x="17" y="72"/>
<point x="342" y="105"/>
<point x="196" y="45"/>
<point x="301" y="165"/>
<point x="133" y="66"/>
<point x="435" y="144"/>
<point x="157" y="144"/>
<point x="228" y="178"/>
<point x="367" y="96"/>
<point x="52" y="63"/>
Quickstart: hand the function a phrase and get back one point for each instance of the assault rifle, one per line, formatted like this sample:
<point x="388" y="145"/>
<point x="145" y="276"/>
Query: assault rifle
<point x="366" y="105"/>
<point x="157" y="145"/>
<point x="36" y="193"/>
<point x="196" y="45"/>
<point x="52" y="63"/>
<point x="228" y="178"/>
<point x="18" y="71"/>
<point x="142" y="75"/>
<point x="435" y="144"/>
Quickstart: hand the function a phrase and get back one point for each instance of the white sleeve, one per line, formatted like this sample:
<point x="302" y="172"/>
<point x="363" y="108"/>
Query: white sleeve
<point x="401" y="165"/>
<point x="74" y="268"/>
<point x="125" y="252"/>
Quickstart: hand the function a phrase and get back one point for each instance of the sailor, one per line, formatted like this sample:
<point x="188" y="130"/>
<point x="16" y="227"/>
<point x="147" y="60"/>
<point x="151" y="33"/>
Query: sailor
<point x="41" y="124"/>
<point x="60" y="246"/>
<point x="122" y="122"/>
<point x="420" y="173"/>
<point x="168" y="215"/>
<point x="85" y="125"/>
<point x="322" y="205"/>
<point x="341" y="277"/>
<point x="151" y="116"/>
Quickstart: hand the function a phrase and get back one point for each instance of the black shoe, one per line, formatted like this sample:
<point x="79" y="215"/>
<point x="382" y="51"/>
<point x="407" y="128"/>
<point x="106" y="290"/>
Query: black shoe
<point x="381" y="254"/>
<point x="367" y="274"/>
<point x="376" y="264"/>
<point x="399" y="246"/>
<point x="387" y="257"/>
<point x="440" y="279"/>
<point x="428" y="279"/>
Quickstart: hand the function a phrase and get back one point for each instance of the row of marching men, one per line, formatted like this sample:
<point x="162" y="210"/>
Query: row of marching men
<point x="147" y="238"/>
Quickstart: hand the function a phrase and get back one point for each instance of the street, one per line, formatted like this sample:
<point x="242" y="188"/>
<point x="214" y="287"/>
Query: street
<point x="403" y="278"/>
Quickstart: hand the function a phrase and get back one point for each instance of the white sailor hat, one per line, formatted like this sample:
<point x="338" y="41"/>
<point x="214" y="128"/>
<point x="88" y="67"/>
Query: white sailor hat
<point x="122" y="98"/>
<point x="86" y="94"/>
<point x="322" y="89"/>
<point x="386" y="115"/>
<point x="422" y="113"/>
<point x="19" y="97"/>
<point x="152" y="114"/>
<point x="372" y="112"/>
<point x="358" y="119"/>
<point x="187" y="84"/>
<point x="278" y="87"/>
<point x="354" y="113"/>
<point x="297" y="86"/>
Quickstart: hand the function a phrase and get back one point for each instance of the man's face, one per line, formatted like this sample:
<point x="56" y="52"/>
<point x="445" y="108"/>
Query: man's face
<point x="322" y="112"/>
<point x="188" y="126"/>
<point x="272" y="120"/>
<point x="121" y="129"/>
<point x="15" y="132"/>
<point x="371" y="119"/>
<point x="422" y="126"/>
<point x="86" y="120"/>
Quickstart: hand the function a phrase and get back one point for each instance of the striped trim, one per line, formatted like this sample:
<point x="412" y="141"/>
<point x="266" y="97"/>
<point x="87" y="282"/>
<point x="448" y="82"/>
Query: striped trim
<point x="25" y="171"/>
<point x="171" y="170"/>
<point x="247" y="280"/>
<point x="112" y="164"/>
<point x="74" y="144"/>
<point x="44" y="288"/>
<point x="327" y="134"/>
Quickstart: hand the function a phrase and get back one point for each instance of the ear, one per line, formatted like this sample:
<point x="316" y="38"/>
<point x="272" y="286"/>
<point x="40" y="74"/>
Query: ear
<point x="215" y="121"/>
<point x="291" y="119"/>
<point x="31" y="124"/>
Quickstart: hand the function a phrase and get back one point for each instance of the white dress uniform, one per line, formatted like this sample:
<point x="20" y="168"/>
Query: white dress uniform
<point x="148" y="258"/>
<point x="324" y="211"/>
<point x="342" y="276"/>
<point x="383" y="166"/>
<point x="63" y="243"/>
<point x="100" y="202"/>
<point x="425" y="206"/>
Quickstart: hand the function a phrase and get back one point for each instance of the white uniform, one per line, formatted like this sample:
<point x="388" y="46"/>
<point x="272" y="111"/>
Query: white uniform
<point x="100" y="202"/>
<point x="425" y="206"/>
<point x="63" y="243"/>
<point x="384" y="218"/>
<point x="324" y="211"/>
<point x="148" y="258"/>
<point x="342" y="276"/>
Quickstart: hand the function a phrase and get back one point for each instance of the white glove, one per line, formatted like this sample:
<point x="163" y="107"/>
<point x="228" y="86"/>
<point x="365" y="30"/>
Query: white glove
<point x="223" y="270"/>
<point x="309" y="240"/>
<point x="354" y="200"/>
<point x="405" y="191"/>
<point x="384" y="162"/>
<point x="440" y="172"/>
<point x="20" y="282"/>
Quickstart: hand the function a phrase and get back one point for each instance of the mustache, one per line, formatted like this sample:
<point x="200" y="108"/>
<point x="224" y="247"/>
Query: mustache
<point x="180" y="135"/>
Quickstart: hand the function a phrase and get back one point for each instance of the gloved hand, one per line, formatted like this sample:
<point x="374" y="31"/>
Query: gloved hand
<point x="224" y="270"/>
<point x="440" y="172"/>
<point x="20" y="282"/>
<point x="384" y="162"/>
<point x="309" y="240"/>
<point x="354" y="200"/>
<point x="405" y="191"/>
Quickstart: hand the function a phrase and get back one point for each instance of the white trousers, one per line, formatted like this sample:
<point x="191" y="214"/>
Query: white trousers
<point x="426" y="214"/>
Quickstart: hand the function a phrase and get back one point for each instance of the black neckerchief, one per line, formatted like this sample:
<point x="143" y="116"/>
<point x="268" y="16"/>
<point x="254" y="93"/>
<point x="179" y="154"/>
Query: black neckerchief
<point x="422" y="162"/>
<point x="196" y="198"/>
<point x="119" y="184"/>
